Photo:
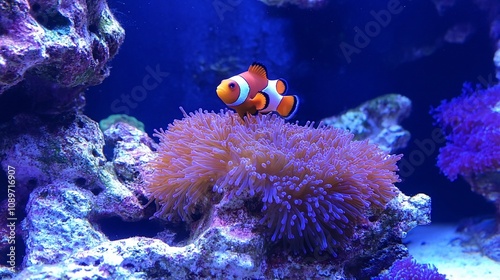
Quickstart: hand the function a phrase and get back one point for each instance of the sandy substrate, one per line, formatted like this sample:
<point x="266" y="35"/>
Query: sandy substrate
<point x="440" y="245"/>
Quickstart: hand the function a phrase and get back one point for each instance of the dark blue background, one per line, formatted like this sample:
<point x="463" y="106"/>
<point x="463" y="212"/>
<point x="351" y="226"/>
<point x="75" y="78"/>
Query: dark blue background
<point x="188" y="39"/>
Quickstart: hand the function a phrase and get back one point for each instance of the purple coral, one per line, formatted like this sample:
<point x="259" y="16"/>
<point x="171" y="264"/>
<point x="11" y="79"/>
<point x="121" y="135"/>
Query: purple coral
<point x="315" y="184"/>
<point x="409" y="269"/>
<point x="471" y="124"/>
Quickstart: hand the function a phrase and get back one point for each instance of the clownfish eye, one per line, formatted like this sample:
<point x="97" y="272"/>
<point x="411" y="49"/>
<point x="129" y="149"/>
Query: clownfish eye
<point x="231" y="85"/>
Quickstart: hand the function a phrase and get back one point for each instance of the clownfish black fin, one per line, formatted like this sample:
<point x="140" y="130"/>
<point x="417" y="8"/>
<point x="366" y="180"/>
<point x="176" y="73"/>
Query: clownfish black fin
<point x="258" y="69"/>
<point x="261" y="101"/>
<point x="281" y="86"/>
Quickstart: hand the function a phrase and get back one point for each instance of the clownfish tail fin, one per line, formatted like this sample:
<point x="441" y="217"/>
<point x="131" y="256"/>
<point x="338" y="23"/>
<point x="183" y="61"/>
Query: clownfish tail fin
<point x="288" y="106"/>
<point x="281" y="86"/>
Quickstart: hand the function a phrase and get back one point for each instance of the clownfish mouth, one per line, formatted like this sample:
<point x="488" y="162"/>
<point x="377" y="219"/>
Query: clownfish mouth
<point x="222" y="93"/>
<point x="225" y="94"/>
<point x="219" y="90"/>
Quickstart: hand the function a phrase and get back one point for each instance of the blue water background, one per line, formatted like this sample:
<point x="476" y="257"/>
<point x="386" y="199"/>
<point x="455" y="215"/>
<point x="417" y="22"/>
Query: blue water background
<point x="189" y="39"/>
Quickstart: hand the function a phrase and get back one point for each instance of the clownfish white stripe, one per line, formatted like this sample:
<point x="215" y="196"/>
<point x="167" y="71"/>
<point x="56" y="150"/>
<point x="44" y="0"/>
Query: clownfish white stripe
<point x="273" y="97"/>
<point x="271" y="86"/>
<point x="244" y="90"/>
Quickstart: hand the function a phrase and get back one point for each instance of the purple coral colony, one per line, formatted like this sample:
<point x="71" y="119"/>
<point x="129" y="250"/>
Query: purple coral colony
<point x="262" y="182"/>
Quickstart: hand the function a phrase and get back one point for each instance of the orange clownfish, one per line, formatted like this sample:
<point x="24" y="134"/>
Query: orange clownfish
<point x="252" y="92"/>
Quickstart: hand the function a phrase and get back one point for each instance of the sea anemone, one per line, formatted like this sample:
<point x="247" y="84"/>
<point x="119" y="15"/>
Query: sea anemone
<point x="315" y="184"/>
<point x="409" y="269"/>
<point x="471" y="125"/>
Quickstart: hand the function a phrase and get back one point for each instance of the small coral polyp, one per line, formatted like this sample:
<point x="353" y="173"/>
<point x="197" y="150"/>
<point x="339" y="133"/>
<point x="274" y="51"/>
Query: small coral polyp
<point x="316" y="184"/>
